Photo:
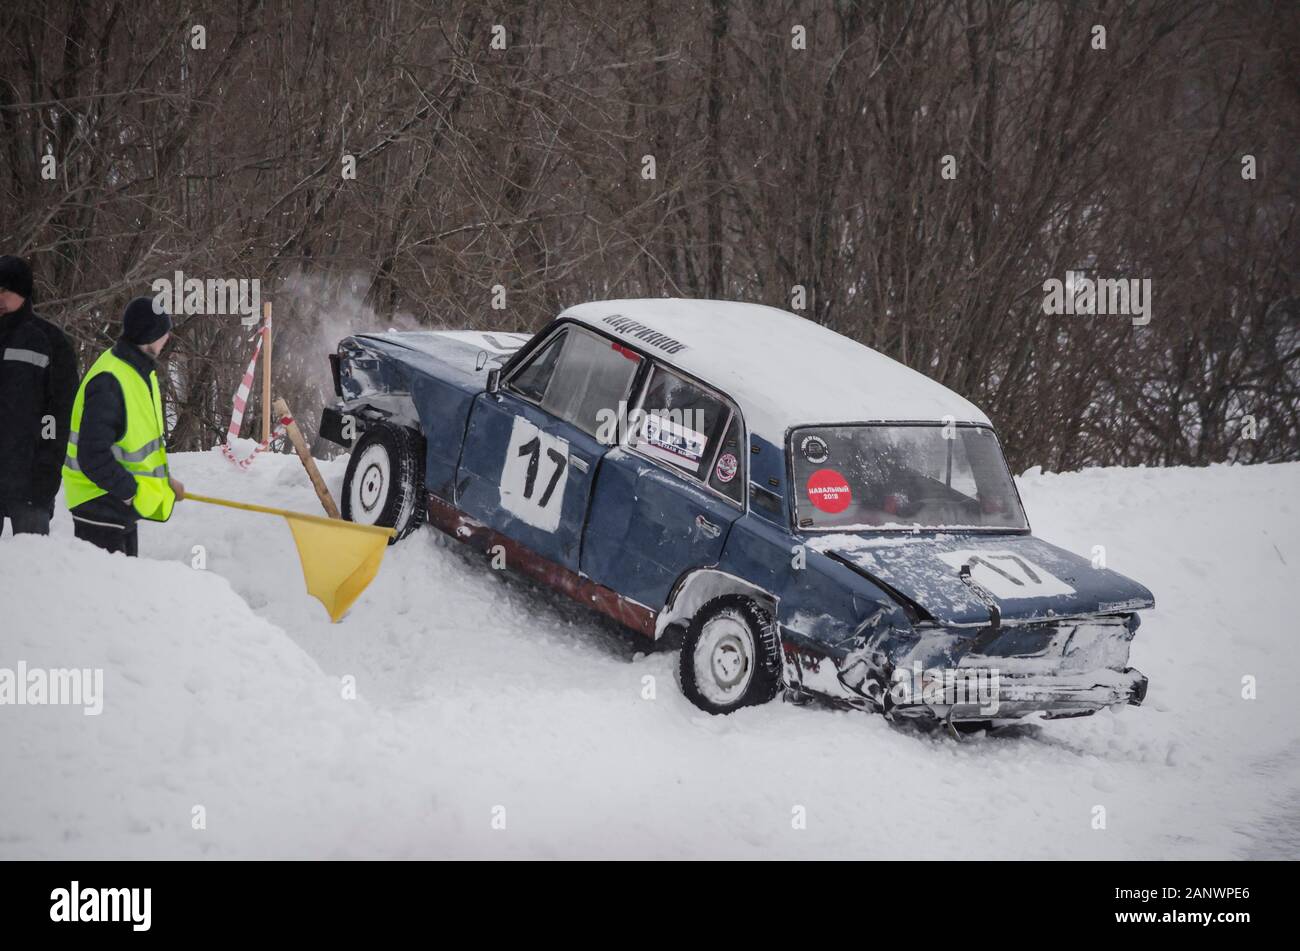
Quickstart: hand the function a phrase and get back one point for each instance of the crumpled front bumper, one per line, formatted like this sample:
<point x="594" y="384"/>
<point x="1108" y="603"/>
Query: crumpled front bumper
<point x="1059" y="668"/>
<point x="1019" y="695"/>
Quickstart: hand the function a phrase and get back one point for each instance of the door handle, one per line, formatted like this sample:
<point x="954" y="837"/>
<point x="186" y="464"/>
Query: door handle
<point x="707" y="527"/>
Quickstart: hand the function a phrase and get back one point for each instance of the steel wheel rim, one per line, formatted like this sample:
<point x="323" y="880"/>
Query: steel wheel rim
<point x="723" y="659"/>
<point x="370" y="486"/>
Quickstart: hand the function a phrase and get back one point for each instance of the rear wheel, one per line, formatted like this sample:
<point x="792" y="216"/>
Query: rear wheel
<point x="729" y="656"/>
<point x="384" y="484"/>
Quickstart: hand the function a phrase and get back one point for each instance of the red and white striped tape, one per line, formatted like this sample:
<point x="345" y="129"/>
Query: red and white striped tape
<point x="241" y="402"/>
<point x="247" y="461"/>
<point x="241" y="394"/>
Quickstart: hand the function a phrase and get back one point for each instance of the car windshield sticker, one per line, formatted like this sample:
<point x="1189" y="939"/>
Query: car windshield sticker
<point x="727" y="467"/>
<point x="639" y="331"/>
<point x="814" y="449"/>
<point x="1006" y="575"/>
<point x="671" y="441"/>
<point x="829" y="491"/>
<point x="533" y="476"/>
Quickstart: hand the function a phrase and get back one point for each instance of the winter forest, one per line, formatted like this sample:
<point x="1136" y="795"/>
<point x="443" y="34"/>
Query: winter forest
<point x="911" y="173"/>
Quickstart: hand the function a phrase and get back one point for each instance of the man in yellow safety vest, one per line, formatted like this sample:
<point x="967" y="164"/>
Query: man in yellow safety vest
<point x="116" y="472"/>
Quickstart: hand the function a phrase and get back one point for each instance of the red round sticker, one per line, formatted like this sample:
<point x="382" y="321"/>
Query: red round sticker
<point x="829" y="491"/>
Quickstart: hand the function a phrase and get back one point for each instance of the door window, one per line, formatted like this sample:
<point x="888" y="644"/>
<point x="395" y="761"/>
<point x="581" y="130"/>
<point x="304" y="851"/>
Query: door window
<point x="692" y="429"/>
<point x="579" y="377"/>
<point x="531" y="381"/>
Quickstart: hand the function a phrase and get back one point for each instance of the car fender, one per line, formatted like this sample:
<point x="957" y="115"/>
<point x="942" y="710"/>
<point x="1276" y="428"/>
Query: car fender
<point x="698" y="587"/>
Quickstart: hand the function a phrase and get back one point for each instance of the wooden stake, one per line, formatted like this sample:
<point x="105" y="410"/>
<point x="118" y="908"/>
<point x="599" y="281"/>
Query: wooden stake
<point x="308" y="463"/>
<point x="266" y="372"/>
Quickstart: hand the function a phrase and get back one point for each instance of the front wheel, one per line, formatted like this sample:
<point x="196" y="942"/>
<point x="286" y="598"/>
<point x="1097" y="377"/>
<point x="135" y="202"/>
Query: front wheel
<point x="729" y="656"/>
<point x="384" y="483"/>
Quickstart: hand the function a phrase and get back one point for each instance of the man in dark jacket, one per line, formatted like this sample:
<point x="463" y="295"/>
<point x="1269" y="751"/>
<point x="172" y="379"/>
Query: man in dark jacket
<point x="38" y="380"/>
<point x="116" y="469"/>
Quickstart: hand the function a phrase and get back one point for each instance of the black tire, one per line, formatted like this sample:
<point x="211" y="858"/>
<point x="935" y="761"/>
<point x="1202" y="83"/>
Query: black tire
<point x="384" y="484"/>
<point x="749" y="641"/>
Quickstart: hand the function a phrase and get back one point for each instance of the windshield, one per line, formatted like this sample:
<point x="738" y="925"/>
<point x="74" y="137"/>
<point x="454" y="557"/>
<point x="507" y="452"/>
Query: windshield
<point x="892" y="476"/>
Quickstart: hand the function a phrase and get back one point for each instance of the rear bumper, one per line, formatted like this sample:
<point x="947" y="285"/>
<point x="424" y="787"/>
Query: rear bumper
<point x="1008" y="696"/>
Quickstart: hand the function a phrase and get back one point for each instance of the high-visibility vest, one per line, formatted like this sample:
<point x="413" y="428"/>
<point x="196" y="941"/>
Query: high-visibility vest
<point x="140" y="451"/>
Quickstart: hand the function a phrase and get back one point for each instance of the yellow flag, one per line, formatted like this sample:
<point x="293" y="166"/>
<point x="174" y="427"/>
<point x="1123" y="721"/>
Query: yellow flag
<point x="339" y="559"/>
<point x="337" y="563"/>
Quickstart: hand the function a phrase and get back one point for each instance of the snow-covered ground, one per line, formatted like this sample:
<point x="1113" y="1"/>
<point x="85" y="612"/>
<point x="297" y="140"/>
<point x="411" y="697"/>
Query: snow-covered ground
<point x="482" y="697"/>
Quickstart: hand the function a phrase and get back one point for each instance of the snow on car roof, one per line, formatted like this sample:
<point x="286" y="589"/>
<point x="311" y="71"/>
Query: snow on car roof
<point x="782" y="369"/>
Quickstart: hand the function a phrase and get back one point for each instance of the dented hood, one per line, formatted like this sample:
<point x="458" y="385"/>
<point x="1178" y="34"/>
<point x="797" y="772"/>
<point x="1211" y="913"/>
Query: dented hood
<point x="1027" y="577"/>
<point x="467" y="350"/>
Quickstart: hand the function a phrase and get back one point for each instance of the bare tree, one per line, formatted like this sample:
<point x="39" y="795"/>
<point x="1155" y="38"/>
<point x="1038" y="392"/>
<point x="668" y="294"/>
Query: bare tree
<point x="908" y="173"/>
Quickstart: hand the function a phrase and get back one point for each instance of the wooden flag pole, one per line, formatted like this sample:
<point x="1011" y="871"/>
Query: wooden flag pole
<point x="266" y="372"/>
<point x="308" y="463"/>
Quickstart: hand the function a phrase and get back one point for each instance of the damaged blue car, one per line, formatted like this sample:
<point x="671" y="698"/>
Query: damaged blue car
<point x="805" y="513"/>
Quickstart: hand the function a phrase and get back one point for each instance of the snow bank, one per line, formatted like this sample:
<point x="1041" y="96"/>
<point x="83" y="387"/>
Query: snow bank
<point x="482" y="698"/>
<point x="204" y="705"/>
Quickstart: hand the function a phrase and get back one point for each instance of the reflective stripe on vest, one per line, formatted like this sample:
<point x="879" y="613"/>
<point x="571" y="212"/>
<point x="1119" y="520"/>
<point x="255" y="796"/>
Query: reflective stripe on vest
<point x="121" y="455"/>
<point x="141" y="451"/>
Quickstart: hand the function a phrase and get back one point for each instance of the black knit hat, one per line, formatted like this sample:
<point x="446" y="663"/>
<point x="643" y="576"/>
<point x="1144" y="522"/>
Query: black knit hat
<point x="143" y="322"/>
<point x="15" y="276"/>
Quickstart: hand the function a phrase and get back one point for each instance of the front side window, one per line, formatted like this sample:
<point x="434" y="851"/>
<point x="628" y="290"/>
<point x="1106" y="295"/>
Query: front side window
<point x="902" y="477"/>
<point x="532" y="380"/>
<point x="577" y="376"/>
<point x="691" y="429"/>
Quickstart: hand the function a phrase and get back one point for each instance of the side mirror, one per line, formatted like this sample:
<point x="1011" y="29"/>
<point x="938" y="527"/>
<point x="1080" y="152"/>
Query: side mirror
<point x="494" y="380"/>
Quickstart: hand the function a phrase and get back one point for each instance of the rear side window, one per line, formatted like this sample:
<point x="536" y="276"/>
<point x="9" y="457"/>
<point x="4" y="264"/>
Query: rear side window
<point x="691" y="429"/>
<point x="726" y="475"/>
<point x="576" y="376"/>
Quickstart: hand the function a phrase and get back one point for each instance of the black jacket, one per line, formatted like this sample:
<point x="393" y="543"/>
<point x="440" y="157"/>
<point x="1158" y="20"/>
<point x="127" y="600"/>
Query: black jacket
<point x="38" y="383"/>
<point x="103" y="423"/>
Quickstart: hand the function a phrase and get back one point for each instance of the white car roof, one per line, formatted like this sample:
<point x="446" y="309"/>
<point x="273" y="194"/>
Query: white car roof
<point x="782" y="369"/>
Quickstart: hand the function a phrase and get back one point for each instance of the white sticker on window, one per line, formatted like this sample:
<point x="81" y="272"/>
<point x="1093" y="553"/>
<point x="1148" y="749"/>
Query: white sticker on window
<point x="667" y="439"/>
<point x="1007" y="575"/>
<point x="533" y="476"/>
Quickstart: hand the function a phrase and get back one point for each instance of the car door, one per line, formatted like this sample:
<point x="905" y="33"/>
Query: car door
<point x="665" y="498"/>
<point x="530" y="450"/>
